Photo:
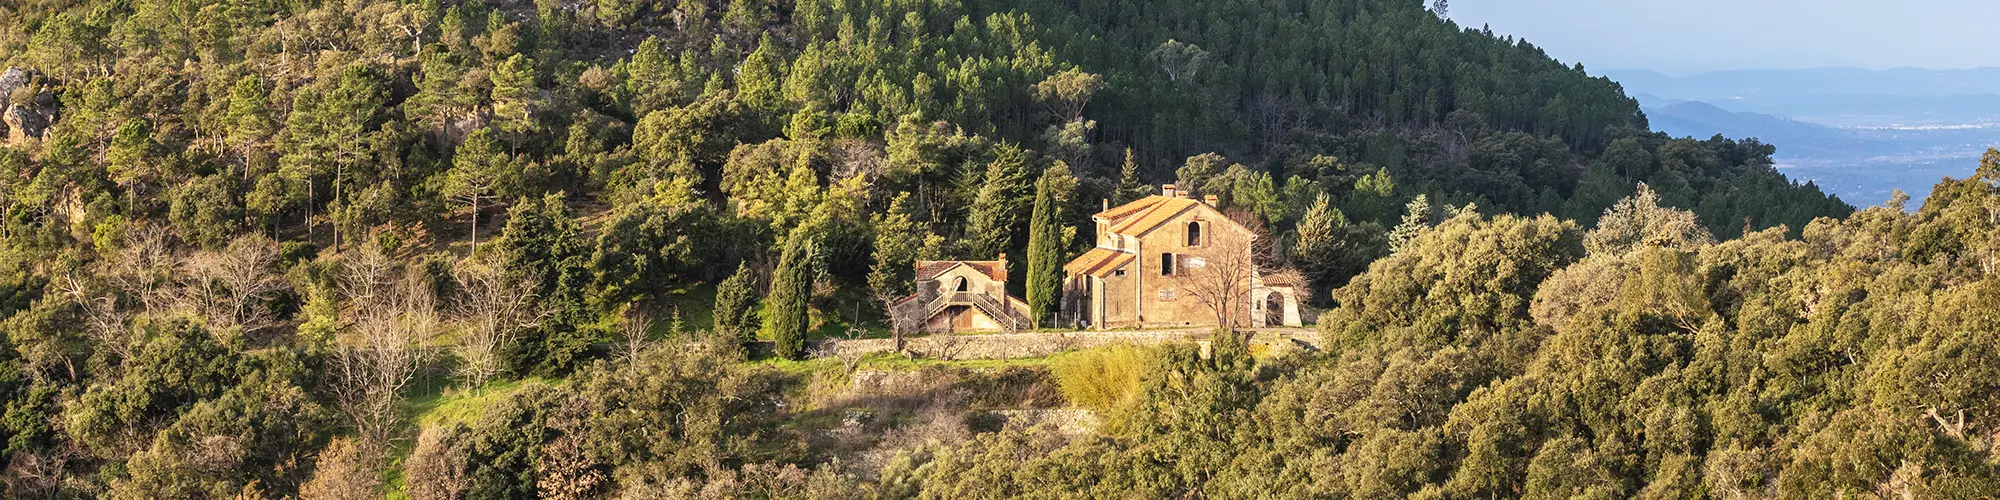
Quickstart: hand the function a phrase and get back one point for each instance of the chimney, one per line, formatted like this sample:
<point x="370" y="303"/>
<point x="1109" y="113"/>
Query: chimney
<point x="1107" y="205"/>
<point x="1167" y="190"/>
<point x="1209" y="199"/>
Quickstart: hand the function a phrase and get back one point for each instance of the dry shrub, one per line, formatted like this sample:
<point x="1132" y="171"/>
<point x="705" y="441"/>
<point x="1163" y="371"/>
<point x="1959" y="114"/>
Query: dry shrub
<point x="753" y="481"/>
<point x="1107" y="380"/>
<point x="346" y="470"/>
<point x="436" y="469"/>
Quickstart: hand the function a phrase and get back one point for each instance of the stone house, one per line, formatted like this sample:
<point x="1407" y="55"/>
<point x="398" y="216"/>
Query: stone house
<point x="962" y="296"/>
<point x="1127" y="281"/>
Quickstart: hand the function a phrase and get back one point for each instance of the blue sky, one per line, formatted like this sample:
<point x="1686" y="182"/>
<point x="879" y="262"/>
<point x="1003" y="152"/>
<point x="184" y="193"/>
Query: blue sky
<point x="1679" y="36"/>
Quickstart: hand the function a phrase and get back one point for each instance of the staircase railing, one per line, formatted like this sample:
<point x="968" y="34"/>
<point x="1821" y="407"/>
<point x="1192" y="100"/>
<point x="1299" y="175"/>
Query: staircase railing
<point x="980" y="301"/>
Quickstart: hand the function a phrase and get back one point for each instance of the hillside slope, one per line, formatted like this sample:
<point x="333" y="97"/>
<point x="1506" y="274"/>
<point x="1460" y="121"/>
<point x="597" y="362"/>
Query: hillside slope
<point x="229" y="255"/>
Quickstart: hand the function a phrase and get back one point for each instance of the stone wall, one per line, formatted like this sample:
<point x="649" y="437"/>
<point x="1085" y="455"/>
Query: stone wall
<point x="1036" y="344"/>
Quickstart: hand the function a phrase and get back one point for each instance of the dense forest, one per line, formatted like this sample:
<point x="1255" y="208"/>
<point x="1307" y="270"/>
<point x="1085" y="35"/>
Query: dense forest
<point x="510" y="249"/>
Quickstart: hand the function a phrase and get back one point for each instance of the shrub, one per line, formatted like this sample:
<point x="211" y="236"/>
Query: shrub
<point x="1107" y="380"/>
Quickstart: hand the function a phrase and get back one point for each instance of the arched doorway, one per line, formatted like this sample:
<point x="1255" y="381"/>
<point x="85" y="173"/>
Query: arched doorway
<point x="959" y="285"/>
<point x="1274" y="309"/>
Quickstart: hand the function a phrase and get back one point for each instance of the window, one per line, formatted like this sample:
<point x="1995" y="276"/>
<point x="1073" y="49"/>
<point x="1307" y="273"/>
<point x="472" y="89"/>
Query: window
<point x="1167" y="264"/>
<point x="1194" y="234"/>
<point x="959" y="284"/>
<point x="1120" y="272"/>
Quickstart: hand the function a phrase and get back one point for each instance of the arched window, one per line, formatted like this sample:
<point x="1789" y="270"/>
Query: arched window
<point x="959" y="285"/>
<point x="1194" y="234"/>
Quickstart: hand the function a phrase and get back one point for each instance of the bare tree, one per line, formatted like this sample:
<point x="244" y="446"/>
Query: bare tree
<point x="492" y="310"/>
<point x="1219" y="275"/>
<point x="947" y="345"/>
<point x="230" y="287"/>
<point x="902" y="320"/>
<point x="383" y="351"/>
<point x="857" y="158"/>
<point x="103" y="321"/>
<point x="144" y="268"/>
<point x="634" y="332"/>
<point x="366" y="276"/>
<point x="569" y="469"/>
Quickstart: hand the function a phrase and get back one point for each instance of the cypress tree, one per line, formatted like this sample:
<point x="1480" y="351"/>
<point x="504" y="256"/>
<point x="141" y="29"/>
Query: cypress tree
<point x="1045" y="252"/>
<point x="543" y="241"/>
<point x="736" y="305"/>
<point x="785" y="318"/>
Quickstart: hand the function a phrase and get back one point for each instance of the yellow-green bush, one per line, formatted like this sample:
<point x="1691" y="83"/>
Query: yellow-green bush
<point x="1107" y="380"/>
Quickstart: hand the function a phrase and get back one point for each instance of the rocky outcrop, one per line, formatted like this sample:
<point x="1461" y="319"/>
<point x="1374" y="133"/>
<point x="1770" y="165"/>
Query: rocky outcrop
<point x="29" y="107"/>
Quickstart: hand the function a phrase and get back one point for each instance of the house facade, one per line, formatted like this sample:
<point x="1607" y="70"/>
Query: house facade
<point x="1129" y="279"/>
<point x="962" y="296"/>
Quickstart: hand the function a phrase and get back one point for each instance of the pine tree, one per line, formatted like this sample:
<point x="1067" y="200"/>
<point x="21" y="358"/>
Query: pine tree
<point x="1130" y="188"/>
<point x="480" y="171"/>
<point x="758" y="81"/>
<point x="1416" y="218"/>
<point x="128" y="156"/>
<point x="249" y="116"/>
<point x="1045" y="250"/>
<point x="899" y="241"/>
<point x="514" y="99"/>
<point x="786" y="317"/>
<point x="996" y="211"/>
<point x="1330" y="249"/>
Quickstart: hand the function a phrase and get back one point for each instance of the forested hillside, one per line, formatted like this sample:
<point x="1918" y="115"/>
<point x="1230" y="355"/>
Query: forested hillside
<point x="245" y="240"/>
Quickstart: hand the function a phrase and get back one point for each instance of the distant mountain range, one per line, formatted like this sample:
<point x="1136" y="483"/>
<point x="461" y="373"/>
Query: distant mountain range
<point x="1831" y="81"/>
<point x="1843" y="97"/>
<point x="1701" y="119"/>
<point x="1859" y="133"/>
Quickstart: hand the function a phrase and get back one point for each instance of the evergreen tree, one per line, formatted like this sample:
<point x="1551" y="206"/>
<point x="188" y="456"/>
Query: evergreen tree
<point x="1330" y="249"/>
<point x="515" y="98"/>
<point x="758" y="81"/>
<point x="786" y="314"/>
<point x="249" y="117"/>
<point x="899" y="241"/>
<point x="736" y="301"/>
<point x="1130" y="188"/>
<point x="543" y="242"/>
<point x="1416" y="218"/>
<point x="1045" y="250"/>
<point x="481" y="170"/>
<point x="1002" y="200"/>
<point x="129" y="157"/>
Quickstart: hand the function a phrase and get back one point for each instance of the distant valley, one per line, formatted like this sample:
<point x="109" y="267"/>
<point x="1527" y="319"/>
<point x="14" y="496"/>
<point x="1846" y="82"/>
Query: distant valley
<point x="1857" y="133"/>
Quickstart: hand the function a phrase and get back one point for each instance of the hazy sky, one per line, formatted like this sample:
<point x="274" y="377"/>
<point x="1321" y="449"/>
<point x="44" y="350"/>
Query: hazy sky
<point x="1693" y="35"/>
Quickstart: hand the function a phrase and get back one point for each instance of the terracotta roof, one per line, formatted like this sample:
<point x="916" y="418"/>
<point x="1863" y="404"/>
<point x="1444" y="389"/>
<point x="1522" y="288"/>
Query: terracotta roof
<point x="1098" y="262"/>
<point x="1277" y="280"/>
<point x="1135" y="206"/>
<point x="931" y="269"/>
<point x="1159" y="213"/>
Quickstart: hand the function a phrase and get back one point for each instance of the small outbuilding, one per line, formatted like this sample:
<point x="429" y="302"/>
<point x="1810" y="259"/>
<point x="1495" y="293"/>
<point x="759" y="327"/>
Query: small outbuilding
<point x="962" y="296"/>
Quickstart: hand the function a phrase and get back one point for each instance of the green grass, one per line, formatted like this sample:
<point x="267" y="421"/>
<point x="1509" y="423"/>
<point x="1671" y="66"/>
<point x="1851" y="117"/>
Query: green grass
<point x="696" y="305"/>
<point x="465" y="406"/>
<point x="436" y="404"/>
